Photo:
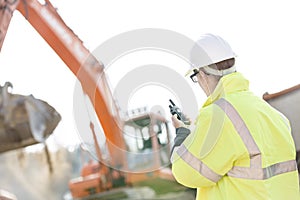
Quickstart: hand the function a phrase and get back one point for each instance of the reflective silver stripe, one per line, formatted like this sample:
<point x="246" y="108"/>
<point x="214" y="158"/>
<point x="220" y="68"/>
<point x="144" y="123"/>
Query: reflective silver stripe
<point x="197" y="164"/>
<point x="243" y="131"/>
<point x="263" y="173"/>
<point x="255" y="171"/>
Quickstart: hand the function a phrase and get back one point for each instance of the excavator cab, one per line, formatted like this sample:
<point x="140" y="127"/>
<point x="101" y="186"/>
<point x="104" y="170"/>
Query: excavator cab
<point x="147" y="138"/>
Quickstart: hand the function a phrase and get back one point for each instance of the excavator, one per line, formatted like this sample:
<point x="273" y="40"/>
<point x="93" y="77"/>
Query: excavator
<point x="133" y="157"/>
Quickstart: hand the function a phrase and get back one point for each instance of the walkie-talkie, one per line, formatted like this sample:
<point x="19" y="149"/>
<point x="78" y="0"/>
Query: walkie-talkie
<point x="176" y="110"/>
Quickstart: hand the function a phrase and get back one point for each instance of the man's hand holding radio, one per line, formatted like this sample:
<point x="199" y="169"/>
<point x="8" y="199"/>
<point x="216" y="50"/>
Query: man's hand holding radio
<point x="180" y="122"/>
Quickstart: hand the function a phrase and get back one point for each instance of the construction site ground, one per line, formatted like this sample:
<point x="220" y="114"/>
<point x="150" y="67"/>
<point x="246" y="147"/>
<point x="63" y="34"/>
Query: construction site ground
<point x="30" y="172"/>
<point x="154" y="189"/>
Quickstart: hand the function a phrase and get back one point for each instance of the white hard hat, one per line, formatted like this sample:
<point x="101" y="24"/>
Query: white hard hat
<point x="210" y="49"/>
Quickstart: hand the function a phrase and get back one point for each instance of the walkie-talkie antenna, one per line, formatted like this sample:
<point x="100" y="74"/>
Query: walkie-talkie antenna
<point x="173" y="104"/>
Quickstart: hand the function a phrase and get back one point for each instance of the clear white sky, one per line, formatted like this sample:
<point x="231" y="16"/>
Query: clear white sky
<point x="264" y="34"/>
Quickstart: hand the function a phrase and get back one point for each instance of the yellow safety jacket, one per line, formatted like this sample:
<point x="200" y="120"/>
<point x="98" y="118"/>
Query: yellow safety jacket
<point x="241" y="148"/>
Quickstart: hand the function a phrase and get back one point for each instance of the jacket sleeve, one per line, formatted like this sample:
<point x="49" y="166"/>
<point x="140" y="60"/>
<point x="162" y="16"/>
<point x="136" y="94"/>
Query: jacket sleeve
<point x="181" y="134"/>
<point x="208" y="153"/>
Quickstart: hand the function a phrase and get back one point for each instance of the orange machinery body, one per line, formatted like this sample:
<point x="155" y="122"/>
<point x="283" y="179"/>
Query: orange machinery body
<point x="95" y="178"/>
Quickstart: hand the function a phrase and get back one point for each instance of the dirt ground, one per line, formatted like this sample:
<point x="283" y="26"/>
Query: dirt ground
<point x="27" y="176"/>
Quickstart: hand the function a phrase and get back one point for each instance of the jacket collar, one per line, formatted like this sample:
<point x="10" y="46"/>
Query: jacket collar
<point x="230" y="83"/>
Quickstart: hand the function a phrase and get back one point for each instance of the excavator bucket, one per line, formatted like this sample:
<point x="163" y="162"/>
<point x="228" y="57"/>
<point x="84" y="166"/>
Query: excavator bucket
<point x="24" y="120"/>
<point x="4" y="195"/>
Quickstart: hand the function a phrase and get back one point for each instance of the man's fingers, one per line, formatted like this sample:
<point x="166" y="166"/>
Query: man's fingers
<point x="176" y="122"/>
<point x="174" y="116"/>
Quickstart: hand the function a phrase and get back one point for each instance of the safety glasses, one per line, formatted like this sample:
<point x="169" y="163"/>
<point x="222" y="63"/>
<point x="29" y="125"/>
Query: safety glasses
<point x="194" y="75"/>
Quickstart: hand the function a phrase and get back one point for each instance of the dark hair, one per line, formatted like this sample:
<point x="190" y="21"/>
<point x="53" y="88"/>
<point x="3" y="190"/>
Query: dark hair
<point x="225" y="64"/>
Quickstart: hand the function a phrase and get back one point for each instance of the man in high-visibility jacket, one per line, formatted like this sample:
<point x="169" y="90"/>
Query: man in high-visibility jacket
<point x="241" y="148"/>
